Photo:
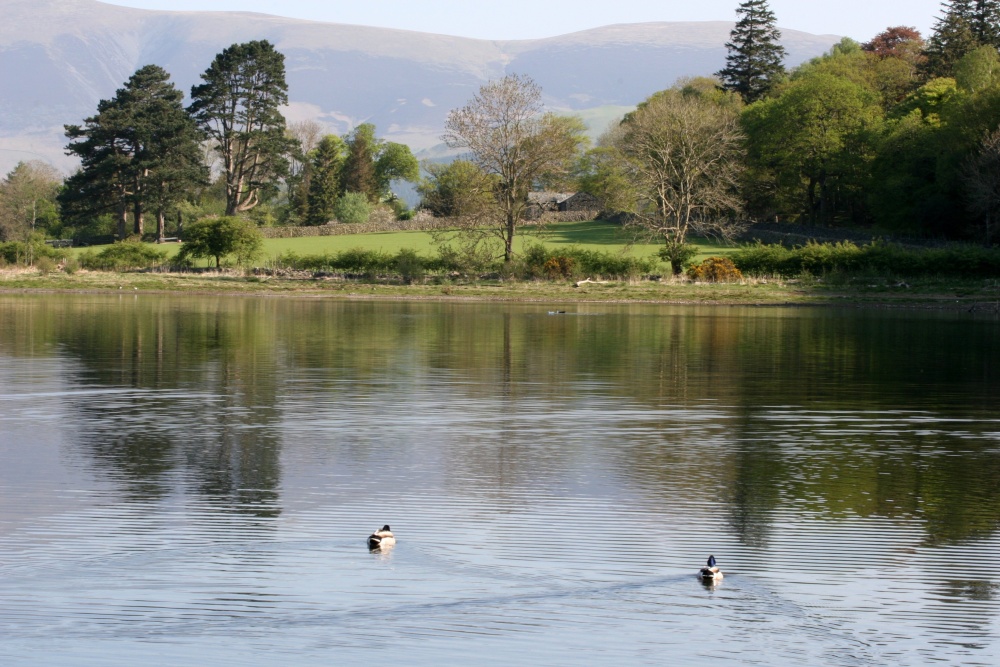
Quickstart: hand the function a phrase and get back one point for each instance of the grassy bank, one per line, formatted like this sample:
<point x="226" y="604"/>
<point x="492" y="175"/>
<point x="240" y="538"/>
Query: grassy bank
<point x="594" y="235"/>
<point x="975" y="296"/>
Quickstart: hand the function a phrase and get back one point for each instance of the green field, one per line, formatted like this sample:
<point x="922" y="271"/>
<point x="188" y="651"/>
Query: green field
<point x="594" y="235"/>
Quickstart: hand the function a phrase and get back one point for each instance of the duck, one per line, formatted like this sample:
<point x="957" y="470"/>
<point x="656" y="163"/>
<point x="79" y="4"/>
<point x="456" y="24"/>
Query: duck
<point x="381" y="538"/>
<point x="710" y="572"/>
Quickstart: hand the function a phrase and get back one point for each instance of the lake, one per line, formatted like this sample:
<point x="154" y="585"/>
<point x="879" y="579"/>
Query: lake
<point x="191" y="480"/>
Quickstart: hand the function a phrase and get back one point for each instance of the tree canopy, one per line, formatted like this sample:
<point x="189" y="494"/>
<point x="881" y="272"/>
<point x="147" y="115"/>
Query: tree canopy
<point x="238" y="107"/>
<point x="139" y="152"/>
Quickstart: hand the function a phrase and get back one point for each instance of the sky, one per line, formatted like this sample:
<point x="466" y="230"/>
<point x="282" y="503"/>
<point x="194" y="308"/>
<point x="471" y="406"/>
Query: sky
<point x="529" y="19"/>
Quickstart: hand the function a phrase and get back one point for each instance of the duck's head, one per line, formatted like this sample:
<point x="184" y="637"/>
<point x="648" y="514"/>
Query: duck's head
<point x="386" y="528"/>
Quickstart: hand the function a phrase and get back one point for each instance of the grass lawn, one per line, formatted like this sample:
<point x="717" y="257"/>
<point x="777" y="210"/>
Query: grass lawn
<point x="591" y="235"/>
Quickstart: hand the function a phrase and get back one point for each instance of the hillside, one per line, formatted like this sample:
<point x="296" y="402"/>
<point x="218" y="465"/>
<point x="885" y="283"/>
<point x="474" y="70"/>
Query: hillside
<point x="59" y="57"/>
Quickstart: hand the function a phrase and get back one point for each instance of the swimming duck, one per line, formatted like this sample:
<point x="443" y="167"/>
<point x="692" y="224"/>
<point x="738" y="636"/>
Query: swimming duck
<point x="381" y="538"/>
<point x="710" y="572"/>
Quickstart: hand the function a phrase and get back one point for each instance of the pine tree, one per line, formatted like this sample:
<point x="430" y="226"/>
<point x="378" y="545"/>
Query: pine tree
<point x="140" y="152"/>
<point x="325" y="180"/>
<point x="965" y="26"/>
<point x="753" y="65"/>
<point x="986" y="22"/>
<point x="238" y="106"/>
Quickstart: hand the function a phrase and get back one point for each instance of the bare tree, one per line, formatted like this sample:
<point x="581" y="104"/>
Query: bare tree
<point x="510" y="138"/>
<point x="981" y="176"/>
<point x="682" y="155"/>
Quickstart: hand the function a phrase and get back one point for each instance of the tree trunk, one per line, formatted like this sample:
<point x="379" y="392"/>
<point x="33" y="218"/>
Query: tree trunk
<point x="122" y="221"/>
<point x="137" y="219"/>
<point x="161" y="225"/>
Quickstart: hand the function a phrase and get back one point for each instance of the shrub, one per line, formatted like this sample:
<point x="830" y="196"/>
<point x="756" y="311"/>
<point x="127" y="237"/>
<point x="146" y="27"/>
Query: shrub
<point x="45" y="265"/>
<point x="221" y="237"/>
<point x="715" y="270"/>
<point x="352" y="208"/>
<point x="123" y="256"/>
<point x="20" y="252"/>
<point x="409" y="266"/>
<point x="961" y="261"/>
<point x="558" y="267"/>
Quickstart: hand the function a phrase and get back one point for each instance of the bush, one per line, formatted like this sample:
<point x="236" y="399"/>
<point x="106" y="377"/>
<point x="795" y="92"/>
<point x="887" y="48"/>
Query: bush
<point x="221" y="237"/>
<point x="45" y="265"/>
<point x="539" y="262"/>
<point x="123" y="256"/>
<point x="352" y="208"/>
<point x="409" y="266"/>
<point x="20" y="252"/>
<point x="960" y="261"/>
<point x="715" y="270"/>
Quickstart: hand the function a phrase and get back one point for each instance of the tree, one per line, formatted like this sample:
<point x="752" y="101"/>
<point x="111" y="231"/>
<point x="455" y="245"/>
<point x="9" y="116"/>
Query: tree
<point x="305" y="137"/>
<point x="325" y="179"/>
<point x="816" y="139"/>
<point x="754" y="63"/>
<point x="682" y="153"/>
<point x="456" y="189"/>
<point x="28" y="199"/>
<point x="981" y="178"/>
<point x="140" y="152"/>
<point x="394" y="162"/>
<point x="509" y="137"/>
<point x="353" y="208"/>
<point x="220" y="237"/>
<point x="372" y="164"/>
<point x="964" y="26"/>
<point x="238" y="108"/>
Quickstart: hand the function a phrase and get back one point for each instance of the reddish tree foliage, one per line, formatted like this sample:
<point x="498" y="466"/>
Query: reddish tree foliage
<point x="897" y="42"/>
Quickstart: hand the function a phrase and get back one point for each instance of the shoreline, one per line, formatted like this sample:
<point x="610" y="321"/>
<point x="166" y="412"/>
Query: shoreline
<point x="971" y="296"/>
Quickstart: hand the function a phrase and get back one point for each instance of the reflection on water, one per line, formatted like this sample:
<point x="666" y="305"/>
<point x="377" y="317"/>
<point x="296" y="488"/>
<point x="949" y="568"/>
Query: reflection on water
<point x="193" y="479"/>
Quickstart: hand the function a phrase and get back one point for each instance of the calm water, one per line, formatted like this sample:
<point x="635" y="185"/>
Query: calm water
<point x="191" y="480"/>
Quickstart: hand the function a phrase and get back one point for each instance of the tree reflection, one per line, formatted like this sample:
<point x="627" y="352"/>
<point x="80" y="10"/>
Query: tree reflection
<point x="176" y="399"/>
<point x="761" y="410"/>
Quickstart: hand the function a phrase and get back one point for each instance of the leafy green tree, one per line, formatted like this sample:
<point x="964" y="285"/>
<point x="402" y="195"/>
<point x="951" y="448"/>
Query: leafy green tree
<point x="754" y="63"/>
<point x="456" y="189"/>
<point x="221" y="237"/>
<point x="140" y="152"/>
<point x="978" y="70"/>
<point x="28" y="200"/>
<point x="509" y="137"/>
<point x="394" y="162"/>
<point x="238" y="107"/>
<point x="325" y="179"/>
<point x="353" y="208"/>
<point x="816" y="140"/>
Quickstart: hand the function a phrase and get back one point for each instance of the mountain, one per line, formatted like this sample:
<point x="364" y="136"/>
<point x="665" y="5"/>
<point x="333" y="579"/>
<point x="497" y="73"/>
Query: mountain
<point x="59" y="57"/>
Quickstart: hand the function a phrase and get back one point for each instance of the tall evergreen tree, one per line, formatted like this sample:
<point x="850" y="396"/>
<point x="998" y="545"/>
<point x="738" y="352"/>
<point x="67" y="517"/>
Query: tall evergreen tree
<point x="238" y="107"/>
<point x="754" y="61"/>
<point x="139" y="153"/>
<point x="325" y="179"/>
<point x="964" y="26"/>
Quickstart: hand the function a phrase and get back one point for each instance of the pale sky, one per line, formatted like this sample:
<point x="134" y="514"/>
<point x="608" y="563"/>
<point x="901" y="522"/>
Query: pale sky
<point x="527" y="19"/>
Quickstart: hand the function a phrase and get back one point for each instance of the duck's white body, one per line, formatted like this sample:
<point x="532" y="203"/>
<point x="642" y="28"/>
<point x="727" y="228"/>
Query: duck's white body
<point x="710" y="574"/>
<point x="381" y="538"/>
